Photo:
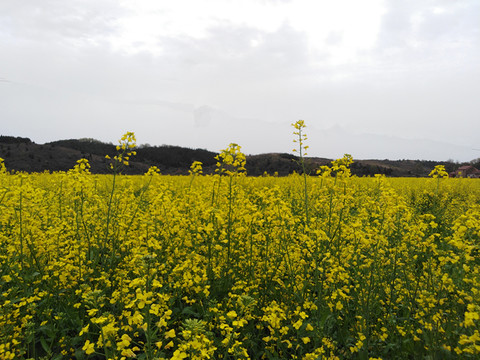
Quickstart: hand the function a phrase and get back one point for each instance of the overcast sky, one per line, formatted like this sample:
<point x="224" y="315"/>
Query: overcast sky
<point x="376" y="79"/>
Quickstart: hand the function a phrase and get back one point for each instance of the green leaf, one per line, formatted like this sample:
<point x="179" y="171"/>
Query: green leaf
<point x="45" y="346"/>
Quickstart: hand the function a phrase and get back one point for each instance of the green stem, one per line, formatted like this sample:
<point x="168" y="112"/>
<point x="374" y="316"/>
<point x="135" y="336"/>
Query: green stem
<point x="305" y="189"/>
<point x="105" y="240"/>
<point x="229" y="224"/>
<point x="21" y="223"/>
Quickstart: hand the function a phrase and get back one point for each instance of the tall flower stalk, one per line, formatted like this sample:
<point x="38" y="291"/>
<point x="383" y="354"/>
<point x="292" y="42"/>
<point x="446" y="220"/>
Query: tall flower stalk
<point x="438" y="173"/>
<point x="230" y="162"/>
<point x="125" y="150"/>
<point x="195" y="170"/>
<point x="300" y="138"/>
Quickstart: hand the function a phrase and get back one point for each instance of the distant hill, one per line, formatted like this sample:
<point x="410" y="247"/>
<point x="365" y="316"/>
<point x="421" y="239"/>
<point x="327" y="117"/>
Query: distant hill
<point x="22" y="154"/>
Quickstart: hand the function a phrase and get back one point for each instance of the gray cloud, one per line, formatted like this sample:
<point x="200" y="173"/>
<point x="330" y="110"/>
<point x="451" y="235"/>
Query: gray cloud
<point x="242" y="84"/>
<point x="430" y="32"/>
<point x="202" y="116"/>
<point x="230" y="49"/>
<point x="57" y="20"/>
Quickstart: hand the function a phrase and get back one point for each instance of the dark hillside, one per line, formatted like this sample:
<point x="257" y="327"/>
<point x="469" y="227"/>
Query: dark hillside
<point x="14" y="140"/>
<point x="86" y="146"/>
<point x="31" y="157"/>
<point x="21" y="154"/>
<point x="175" y="157"/>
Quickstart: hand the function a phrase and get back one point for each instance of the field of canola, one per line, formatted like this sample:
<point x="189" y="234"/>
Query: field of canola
<point x="232" y="267"/>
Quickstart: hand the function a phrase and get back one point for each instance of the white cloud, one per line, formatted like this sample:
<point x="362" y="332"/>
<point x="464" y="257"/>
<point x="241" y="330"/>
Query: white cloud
<point x="206" y="73"/>
<point x="56" y="21"/>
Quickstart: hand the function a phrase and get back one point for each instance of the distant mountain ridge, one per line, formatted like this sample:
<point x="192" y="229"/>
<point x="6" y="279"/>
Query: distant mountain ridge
<point x="22" y="154"/>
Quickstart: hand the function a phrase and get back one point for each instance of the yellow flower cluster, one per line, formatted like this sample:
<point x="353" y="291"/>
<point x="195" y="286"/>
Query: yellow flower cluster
<point x="155" y="267"/>
<point x="300" y="137"/>
<point x="196" y="168"/>
<point x="231" y="161"/>
<point x="125" y="150"/>
<point x="439" y="172"/>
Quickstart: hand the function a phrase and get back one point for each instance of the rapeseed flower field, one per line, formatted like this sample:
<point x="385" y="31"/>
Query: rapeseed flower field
<point x="227" y="266"/>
